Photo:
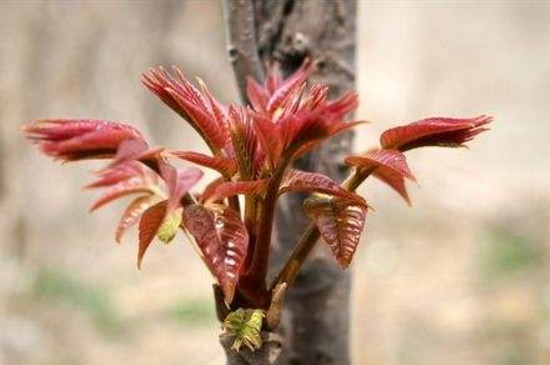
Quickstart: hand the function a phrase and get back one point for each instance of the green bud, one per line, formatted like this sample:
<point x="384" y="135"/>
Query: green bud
<point x="170" y="226"/>
<point x="245" y="325"/>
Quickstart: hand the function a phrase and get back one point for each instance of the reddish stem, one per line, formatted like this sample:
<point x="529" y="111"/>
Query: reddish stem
<point x="311" y="235"/>
<point x="253" y="282"/>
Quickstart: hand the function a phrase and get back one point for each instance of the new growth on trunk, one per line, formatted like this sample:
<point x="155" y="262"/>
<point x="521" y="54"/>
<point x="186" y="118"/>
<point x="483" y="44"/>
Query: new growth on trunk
<point x="254" y="148"/>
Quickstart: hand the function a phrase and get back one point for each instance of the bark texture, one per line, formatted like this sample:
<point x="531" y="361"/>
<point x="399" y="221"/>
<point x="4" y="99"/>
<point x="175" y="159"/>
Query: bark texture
<point x="315" y="322"/>
<point x="268" y="354"/>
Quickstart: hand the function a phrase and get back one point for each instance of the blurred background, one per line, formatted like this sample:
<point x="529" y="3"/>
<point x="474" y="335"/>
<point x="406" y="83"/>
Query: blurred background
<point x="462" y="277"/>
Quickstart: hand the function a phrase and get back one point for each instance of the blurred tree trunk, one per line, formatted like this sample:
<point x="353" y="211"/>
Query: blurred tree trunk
<point x="315" y="323"/>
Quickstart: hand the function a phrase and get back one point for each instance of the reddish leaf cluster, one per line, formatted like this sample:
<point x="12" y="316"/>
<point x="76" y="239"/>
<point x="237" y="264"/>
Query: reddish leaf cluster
<point x="253" y="148"/>
<point x="389" y="163"/>
<point x="389" y="166"/>
<point x="77" y="139"/>
<point x="445" y="132"/>
<point x="135" y="169"/>
<point x="290" y="116"/>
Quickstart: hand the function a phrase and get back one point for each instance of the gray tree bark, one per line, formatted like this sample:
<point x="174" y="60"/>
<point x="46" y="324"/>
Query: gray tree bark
<point x="315" y="321"/>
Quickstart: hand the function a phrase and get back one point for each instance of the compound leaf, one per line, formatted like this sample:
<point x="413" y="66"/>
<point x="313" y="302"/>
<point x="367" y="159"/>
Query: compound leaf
<point x="340" y="223"/>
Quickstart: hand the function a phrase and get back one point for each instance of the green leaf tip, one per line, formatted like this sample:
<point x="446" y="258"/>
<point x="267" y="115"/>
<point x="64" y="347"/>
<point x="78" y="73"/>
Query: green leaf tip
<point x="170" y="226"/>
<point x="245" y="325"/>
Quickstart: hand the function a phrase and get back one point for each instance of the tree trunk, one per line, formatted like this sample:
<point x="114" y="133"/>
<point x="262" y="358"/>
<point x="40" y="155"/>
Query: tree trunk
<point x="315" y="321"/>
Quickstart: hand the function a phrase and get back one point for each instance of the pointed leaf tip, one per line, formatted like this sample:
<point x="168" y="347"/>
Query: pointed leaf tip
<point x="340" y="223"/>
<point x="390" y="166"/>
<point x="121" y="180"/>
<point x="133" y="213"/>
<point x="78" y="139"/>
<point x="150" y="223"/>
<point x="179" y="182"/>
<point x="445" y="132"/>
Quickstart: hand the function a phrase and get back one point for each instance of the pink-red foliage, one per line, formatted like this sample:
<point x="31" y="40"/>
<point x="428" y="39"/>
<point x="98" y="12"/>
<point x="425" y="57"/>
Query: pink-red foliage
<point x="149" y="224"/>
<point x="389" y="166"/>
<point x="222" y="240"/>
<point x="340" y="223"/>
<point x="252" y="148"/>
<point x="446" y="132"/>
<point x="77" y="139"/>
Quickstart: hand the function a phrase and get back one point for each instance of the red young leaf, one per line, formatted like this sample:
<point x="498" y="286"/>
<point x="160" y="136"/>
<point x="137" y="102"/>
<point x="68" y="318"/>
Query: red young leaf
<point x="292" y="118"/>
<point x="223" y="165"/>
<point x="246" y="145"/>
<point x="125" y="179"/>
<point x="257" y="95"/>
<point x="203" y="119"/>
<point x="290" y="84"/>
<point x="299" y="115"/>
<point x="137" y="150"/>
<point x="277" y="93"/>
<point x="340" y="128"/>
<point x="210" y="189"/>
<point x="317" y="94"/>
<point x="112" y="175"/>
<point x="270" y="138"/>
<point x="250" y="146"/>
<point x="129" y="149"/>
<point x="220" y="112"/>
<point x="446" y="132"/>
<point x="222" y="239"/>
<point x="389" y="166"/>
<point x="178" y="182"/>
<point x="133" y="213"/>
<point x="231" y="188"/>
<point x="294" y="102"/>
<point x="340" y="223"/>
<point x="296" y="180"/>
<point x="218" y="109"/>
<point x="77" y="139"/>
<point x="158" y="81"/>
<point x="317" y="122"/>
<point x="200" y="110"/>
<point x="150" y="222"/>
<point x="127" y="187"/>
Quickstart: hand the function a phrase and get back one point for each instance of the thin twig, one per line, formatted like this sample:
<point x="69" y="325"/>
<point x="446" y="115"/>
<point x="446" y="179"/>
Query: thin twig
<point x="242" y="46"/>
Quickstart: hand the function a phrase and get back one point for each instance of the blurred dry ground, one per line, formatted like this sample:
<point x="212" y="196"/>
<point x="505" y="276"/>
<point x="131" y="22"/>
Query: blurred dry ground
<point x="462" y="277"/>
